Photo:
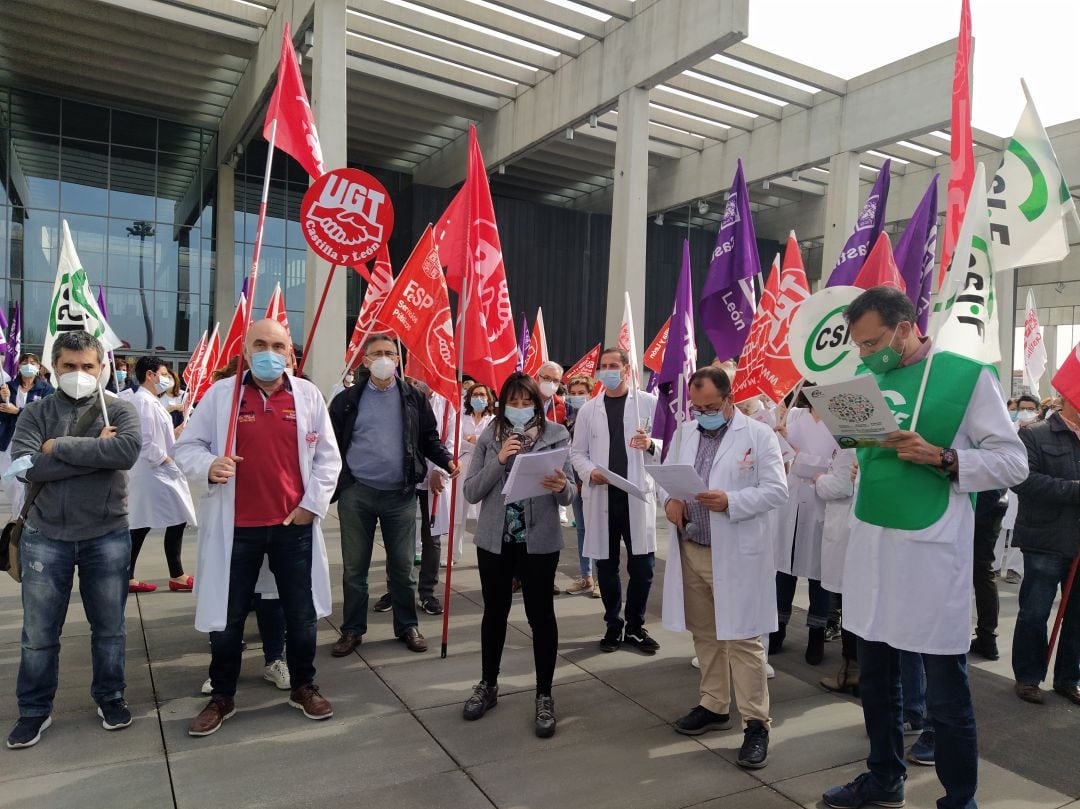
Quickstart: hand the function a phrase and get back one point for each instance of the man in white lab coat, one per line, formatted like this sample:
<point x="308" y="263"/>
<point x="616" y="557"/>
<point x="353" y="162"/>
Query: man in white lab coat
<point x="907" y="573"/>
<point x="719" y="580"/>
<point x="612" y="432"/>
<point x="267" y="498"/>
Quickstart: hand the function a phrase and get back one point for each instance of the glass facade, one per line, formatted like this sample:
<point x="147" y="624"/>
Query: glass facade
<point x="137" y="202"/>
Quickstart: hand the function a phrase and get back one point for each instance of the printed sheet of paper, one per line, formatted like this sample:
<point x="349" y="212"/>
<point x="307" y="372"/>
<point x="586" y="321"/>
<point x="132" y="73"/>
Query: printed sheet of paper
<point x="680" y="481"/>
<point x="854" y="410"/>
<point x="526" y="477"/>
<point x="619" y="482"/>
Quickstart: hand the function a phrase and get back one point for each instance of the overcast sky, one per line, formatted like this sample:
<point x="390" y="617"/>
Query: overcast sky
<point x="1038" y="40"/>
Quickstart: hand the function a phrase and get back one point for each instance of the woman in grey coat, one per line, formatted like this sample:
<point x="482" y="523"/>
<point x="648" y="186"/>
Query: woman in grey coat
<point x="525" y="536"/>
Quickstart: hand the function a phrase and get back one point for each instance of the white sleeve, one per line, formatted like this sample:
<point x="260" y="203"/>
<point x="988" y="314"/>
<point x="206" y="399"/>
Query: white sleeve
<point x="836" y="483"/>
<point x="194" y="451"/>
<point x="995" y="457"/>
<point x="579" y="450"/>
<point x="326" y="465"/>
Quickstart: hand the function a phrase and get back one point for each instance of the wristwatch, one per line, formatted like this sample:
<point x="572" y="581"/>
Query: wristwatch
<point x="949" y="461"/>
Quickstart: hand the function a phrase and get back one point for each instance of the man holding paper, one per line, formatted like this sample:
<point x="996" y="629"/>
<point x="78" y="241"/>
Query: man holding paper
<point x="719" y="581"/>
<point x="611" y="436"/>
<point x="907" y="573"/>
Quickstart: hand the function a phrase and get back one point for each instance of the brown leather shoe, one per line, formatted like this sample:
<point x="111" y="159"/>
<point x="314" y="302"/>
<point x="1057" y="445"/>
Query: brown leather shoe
<point x="345" y="644"/>
<point x="308" y="699"/>
<point x="1070" y="692"/>
<point x="1029" y="692"/>
<point x="210" y="718"/>
<point x="414" y="640"/>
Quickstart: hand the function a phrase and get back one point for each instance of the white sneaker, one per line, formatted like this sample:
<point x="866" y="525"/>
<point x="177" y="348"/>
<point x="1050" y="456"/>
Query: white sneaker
<point x="278" y="674"/>
<point x="770" y="672"/>
<point x="206" y="687"/>
<point x="695" y="663"/>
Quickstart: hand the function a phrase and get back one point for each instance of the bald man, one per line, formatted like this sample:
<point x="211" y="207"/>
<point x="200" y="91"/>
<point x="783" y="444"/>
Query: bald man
<point x="266" y="500"/>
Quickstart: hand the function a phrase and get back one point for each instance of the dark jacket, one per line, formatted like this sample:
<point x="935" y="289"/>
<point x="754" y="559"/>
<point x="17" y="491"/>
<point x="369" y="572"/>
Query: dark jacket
<point x="39" y="390"/>
<point x="1048" y="514"/>
<point x="420" y="441"/>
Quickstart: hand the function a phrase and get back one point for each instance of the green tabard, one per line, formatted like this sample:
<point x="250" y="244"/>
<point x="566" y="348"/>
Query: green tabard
<point x="899" y="494"/>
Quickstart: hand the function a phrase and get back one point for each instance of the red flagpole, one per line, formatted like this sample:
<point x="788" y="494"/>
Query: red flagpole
<point x="315" y="322"/>
<point x="1061" y="609"/>
<point x="230" y="440"/>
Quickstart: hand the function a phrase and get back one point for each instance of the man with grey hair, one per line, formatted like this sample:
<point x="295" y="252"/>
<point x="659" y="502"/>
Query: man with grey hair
<point x="548" y="377"/>
<point x="78" y="517"/>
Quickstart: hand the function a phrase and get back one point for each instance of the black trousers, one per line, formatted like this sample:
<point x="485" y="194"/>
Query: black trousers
<point x="987" y="528"/>
<point x="174" y="542"/>
<point x="537" y="571"/>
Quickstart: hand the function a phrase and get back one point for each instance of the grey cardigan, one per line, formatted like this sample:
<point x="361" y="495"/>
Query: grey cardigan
<point x="484" y="485"/>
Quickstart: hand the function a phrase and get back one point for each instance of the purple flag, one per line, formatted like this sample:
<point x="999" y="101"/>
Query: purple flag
<point x="727" y="300"/>
<point x="101" y="302"/>
<point x="915" y="252"/>
<point x="14" y="344"/>
<point x="680" y="359"/>
<point x="867" y="229"/>
<point x="3" y="336"/>
<point x="523" y="342"/>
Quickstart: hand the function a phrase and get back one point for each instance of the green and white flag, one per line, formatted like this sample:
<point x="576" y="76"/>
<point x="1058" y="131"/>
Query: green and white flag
<point x="966" y="318"/>
<point x="1029" y="198"/>
<point x="73" y="307"/>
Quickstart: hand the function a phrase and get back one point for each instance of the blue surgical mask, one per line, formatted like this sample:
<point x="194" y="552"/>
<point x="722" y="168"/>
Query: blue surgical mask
<point x="712" y="421"/>
<point x="121" y="377"/>
<point x="478" y="405"/>
<point x="1014" y="415"/>
<point x="267" y="365"/>
<point x="28" y="370"/>
<point x="164" y="383"/>
<point x="577" y="401"/>
<point x="610" y="378"/>
<point x="519" y="416"/>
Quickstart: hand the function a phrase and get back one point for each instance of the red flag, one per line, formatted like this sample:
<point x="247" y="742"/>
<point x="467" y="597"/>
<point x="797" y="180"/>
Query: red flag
<point x="765" y="365"/>
<point x="879" y="269"/>
<point x="1067" y="380"/>
<point x="296" y="134"/>
<point x="382" y="280"/>
<point x="419" y="309"/>
<point x="195" y="364"/>
<point x="475" y="266"/>
<point x="586" y="366"/>
<point x="537" y="354"/>
<point x="209" y="365"/>
<point x="961" y="150"/>
<point x="233" y="344"/>
<point x="275" y="310"/>
<point x="654" y="356"/>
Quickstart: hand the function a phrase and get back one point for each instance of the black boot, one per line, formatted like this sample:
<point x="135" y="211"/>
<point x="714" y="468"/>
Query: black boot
<point x="815" y="646"/>
<point x="545" y="716"/>
<point x="776" y="639"/>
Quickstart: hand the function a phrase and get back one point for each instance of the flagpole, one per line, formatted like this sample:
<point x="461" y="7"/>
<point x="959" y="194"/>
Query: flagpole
<point x="1065" y="593"/>
<point x="230" y="439"/>
<point x="104" y="409"/>
<point x="315" y="322"/>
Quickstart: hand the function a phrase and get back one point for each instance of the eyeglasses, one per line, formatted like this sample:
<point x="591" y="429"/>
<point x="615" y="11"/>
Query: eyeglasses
<point x="698" y="412"/>
<point x="375" y="355"/>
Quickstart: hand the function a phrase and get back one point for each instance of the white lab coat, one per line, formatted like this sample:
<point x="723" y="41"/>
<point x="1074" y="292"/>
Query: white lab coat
<point x="912" y="589"/>
<point x="202" y="441"/>
<point x="158" y="493"/>
<point x="802" y="518"/>
<point x="749" y="468"/>
<point x="441" y="503"/>
<point x="590" y="449"/>
<point x="836" y="488"/>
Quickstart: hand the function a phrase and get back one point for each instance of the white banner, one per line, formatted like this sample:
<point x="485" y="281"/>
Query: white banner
<point x="1034" y="347"/>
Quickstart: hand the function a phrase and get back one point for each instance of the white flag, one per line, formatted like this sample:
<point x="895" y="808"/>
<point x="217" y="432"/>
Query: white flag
<point x="1029" y="198"/>
<point x="73" y="307"/>
<point x="628" y="342"/>
<point x="1034" y="347"/>
<point x="966" y="319"/>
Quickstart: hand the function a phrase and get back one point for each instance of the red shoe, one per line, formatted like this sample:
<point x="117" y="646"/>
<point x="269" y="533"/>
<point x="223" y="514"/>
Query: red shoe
<point x="186" y="587"/>
<point x="141" y="587"/>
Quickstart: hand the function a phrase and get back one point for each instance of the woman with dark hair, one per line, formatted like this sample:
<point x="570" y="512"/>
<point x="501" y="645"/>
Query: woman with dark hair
<point x="525" y="536"/>
<point x="28" y="386"/>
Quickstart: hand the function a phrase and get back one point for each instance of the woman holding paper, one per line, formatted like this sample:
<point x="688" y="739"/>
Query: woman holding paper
<point x="523" y="536"/>
<point x="801" y="523"/>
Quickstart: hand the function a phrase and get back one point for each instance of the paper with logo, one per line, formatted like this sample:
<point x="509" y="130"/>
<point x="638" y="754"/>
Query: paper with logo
<point x="619" y="482"/>
<point x="854" y="410"/>
<point x="530" y="468"/>
<point x="679" y="481"/>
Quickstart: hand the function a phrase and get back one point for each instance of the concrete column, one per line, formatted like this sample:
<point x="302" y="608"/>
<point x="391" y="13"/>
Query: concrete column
<point x="326" y="350"/>
<point x="629" y="213"/>
<point x="225" y="249"/>
<point x="841" y="209"/>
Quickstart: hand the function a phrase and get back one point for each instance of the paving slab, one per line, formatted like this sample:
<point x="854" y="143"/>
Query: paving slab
<point x="131" y="784"/>
<point x="760" y="798"/>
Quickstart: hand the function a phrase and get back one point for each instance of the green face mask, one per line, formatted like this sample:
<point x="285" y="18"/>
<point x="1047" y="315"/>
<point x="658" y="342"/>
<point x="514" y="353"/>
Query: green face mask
<point x="887" y="359"/>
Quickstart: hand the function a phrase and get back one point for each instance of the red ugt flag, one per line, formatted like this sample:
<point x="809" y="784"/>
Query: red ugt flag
<point x="1067" y="380"/>
<point x="296" y="134"/>
<point x="961" y="150"/>
<point x="418" y="308"/>
<point x="586" y="366"/>
<point x="234" y="340"/>
<point x="654" y="355"/>
<point x="379" y="285"/>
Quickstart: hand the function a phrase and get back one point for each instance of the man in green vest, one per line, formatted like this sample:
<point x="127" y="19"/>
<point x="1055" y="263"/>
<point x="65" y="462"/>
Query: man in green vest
<point x="907" y="572"/>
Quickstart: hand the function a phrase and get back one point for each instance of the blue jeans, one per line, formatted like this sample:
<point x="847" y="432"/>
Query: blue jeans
<point x="948" y="701"/>
<point x="271" y="620"/>
<point x="359" y="508"/>
<point x="288" y="548"/>
<point x="584" y="562"/>
<point x="818" y="614"/>
<point x="1043" y="574"/>
<point x="913" y="685"/>
<point x="639" y="568"/>
<point x="48" y="571"/>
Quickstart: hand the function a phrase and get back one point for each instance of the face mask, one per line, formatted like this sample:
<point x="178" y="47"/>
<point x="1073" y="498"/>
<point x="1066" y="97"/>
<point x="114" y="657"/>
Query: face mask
<point x="78" y="385"/>
<point x="519" y="416"/>
<point x="478" y="405"/>
<point x="349" y="378"/>
<point x="713" y="421"/>
<point x="1025" y="416"/>
<point x="28" y="370"/>
<point x="577" y="401"/>
<point x="883" y="361"/>
<point x="121" y="377"/>
<point x="382" y="368"/>
<point x="267" y="366"/>
<point x="610" y="379"/>
<point x="163" y="384"/>
<point x="1014" y="415"/>
<point x="547" y="389"/>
